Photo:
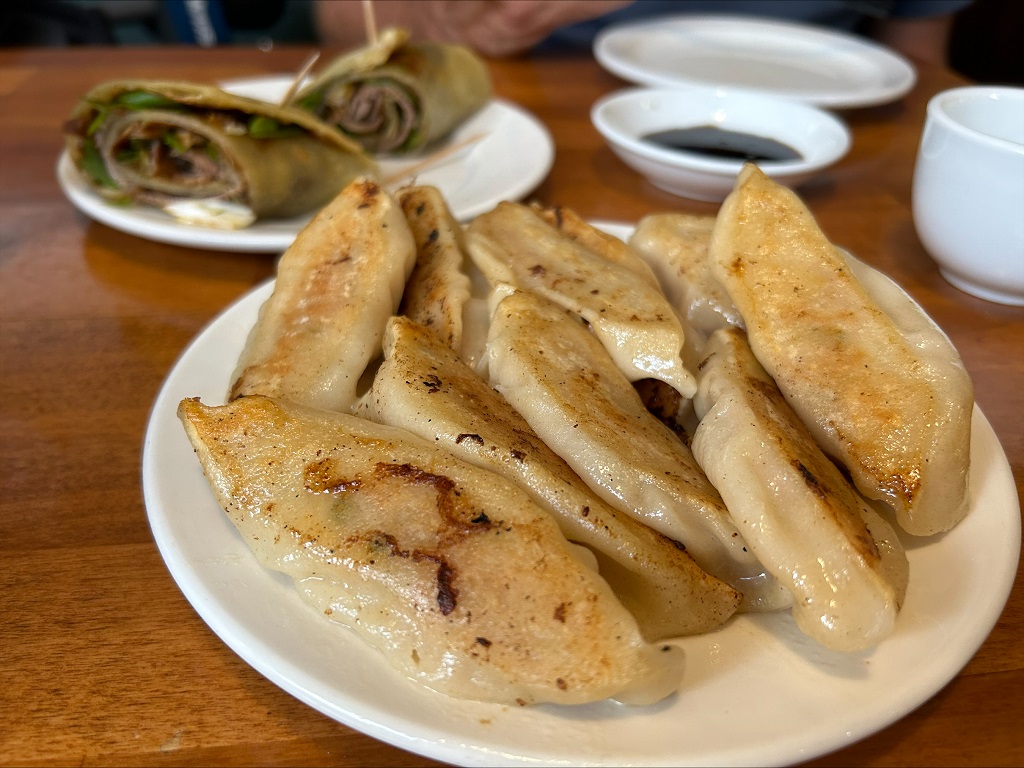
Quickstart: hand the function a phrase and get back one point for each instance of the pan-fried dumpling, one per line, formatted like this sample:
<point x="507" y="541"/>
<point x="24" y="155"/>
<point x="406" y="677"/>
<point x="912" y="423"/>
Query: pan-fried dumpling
<point x="552" y="370"/>
<point x="423" y="387"/>
<point x="887" y="396"/>
<point x="437" y="289"/>
<point x="810" y="528"/>
<point x="452" y="572"/>
<point x="446" y="292"/>
<point x="337" y="285"/>
<point x="675" y="247"/>
<point x="587" y="236"/>
<point x="619" y="298"/>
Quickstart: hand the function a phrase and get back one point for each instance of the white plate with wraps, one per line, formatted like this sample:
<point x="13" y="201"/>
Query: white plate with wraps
<point x="501" y="153"/>
<point x="755" y="692"/>
<point x="789" y="60"/>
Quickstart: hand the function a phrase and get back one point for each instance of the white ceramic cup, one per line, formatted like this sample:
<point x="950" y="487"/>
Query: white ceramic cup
<point x="968" y="192"/>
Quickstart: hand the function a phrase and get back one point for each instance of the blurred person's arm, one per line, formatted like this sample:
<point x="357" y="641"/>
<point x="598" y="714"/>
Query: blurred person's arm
<point x="491" y="27"/>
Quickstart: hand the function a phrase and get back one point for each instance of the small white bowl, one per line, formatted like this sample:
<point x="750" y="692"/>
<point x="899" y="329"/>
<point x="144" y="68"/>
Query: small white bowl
<point x="625" y="117"/>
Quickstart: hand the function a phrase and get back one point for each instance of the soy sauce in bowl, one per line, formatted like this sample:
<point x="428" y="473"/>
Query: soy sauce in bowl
<point x="719" y="142"/>
<point x="692" y="142"/>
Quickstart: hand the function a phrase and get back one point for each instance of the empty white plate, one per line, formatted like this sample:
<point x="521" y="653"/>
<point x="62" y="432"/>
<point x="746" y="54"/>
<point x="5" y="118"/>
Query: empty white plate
<point x="780" y="58"/>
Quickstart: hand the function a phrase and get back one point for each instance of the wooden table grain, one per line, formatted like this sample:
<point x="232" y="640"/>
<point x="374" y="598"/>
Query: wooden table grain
<point x="102" y="660"/>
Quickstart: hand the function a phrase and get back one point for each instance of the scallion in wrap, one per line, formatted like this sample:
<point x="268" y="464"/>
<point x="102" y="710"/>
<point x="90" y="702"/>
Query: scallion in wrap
<point x="162" y="142"/>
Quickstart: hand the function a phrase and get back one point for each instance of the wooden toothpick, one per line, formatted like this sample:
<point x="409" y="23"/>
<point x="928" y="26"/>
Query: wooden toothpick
<point x="300" y="77"/>
<point x="370" y="20"/>
<point x="432" y="159"/>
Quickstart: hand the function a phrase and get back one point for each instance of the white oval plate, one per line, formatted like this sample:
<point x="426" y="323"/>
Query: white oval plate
<point x="755" y="692"/>
<point x="790" y="60"/>
<point x="513" y="156"/>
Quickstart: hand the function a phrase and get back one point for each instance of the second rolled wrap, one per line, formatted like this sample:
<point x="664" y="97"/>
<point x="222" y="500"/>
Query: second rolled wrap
<point x="395" y="97"/>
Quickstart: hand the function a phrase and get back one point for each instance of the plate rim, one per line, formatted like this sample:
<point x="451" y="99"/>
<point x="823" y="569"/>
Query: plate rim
<point x="452" y="745"/>
<point x="902" y="69"/>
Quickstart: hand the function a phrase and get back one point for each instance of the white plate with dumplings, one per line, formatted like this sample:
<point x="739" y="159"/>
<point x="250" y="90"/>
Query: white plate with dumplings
<point x="755" y="692"/>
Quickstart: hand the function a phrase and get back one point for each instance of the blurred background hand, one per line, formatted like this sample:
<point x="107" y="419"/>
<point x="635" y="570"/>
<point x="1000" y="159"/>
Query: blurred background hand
<point x="491" y="27"/>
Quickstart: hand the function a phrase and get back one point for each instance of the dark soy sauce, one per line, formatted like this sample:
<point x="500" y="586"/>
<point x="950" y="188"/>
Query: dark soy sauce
<point x="717" y="142"/>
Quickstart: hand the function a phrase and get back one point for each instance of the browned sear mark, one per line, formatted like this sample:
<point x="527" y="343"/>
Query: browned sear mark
<point x="319" y="478"/>
<point x="447" y="493"/>
<point x="809" y="478"/>
<point x="446" y="592"/>
<point x="370" y="190"/>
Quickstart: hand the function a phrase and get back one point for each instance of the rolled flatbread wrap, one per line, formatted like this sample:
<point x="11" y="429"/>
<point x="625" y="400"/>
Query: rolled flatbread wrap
<point x="395" y="97"/>
<point x="161" y="142"/>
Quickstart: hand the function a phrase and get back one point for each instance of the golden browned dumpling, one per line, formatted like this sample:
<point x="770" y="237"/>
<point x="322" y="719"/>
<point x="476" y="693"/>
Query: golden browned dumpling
<point x="675" y="246"/>
<point x="337" y="285"/>
<point x="885" y="394"/>
<point x="446" y="292"/>
<point x="595" y="276"/>
<point x="452" y="572"/>
<point x="423" y="387"/>
<point x="843" y="563"/>
<point x="552" y="370"/>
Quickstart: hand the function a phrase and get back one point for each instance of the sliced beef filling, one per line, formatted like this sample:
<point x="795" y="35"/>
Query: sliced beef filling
<point x="380" y="115"/>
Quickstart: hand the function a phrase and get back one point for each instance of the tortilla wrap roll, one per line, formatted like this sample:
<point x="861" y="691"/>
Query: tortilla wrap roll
<point x="395" y="97"/>
<point x="162" y="142"/>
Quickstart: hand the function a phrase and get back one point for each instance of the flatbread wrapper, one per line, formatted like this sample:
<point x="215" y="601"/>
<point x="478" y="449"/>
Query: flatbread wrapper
<point x="160" y="142"/>
<point x="396" y="97"/>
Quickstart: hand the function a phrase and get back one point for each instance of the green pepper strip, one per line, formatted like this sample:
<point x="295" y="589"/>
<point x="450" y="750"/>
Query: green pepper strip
<point x="174" y="142"/>
<point x="263" y="127"/>
<point x="92" y="164"/>
<point x="146" y="100"/>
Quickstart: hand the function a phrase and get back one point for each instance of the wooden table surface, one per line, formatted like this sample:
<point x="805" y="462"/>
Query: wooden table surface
<point x="102" y="660"/>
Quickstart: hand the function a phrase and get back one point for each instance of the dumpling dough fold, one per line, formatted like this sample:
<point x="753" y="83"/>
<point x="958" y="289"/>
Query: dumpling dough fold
<point x="675" y="247"/>
<point x="594" y="275"/>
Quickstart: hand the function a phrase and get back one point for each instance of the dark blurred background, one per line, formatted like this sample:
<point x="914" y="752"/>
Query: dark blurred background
<point x="987" y="43"/>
